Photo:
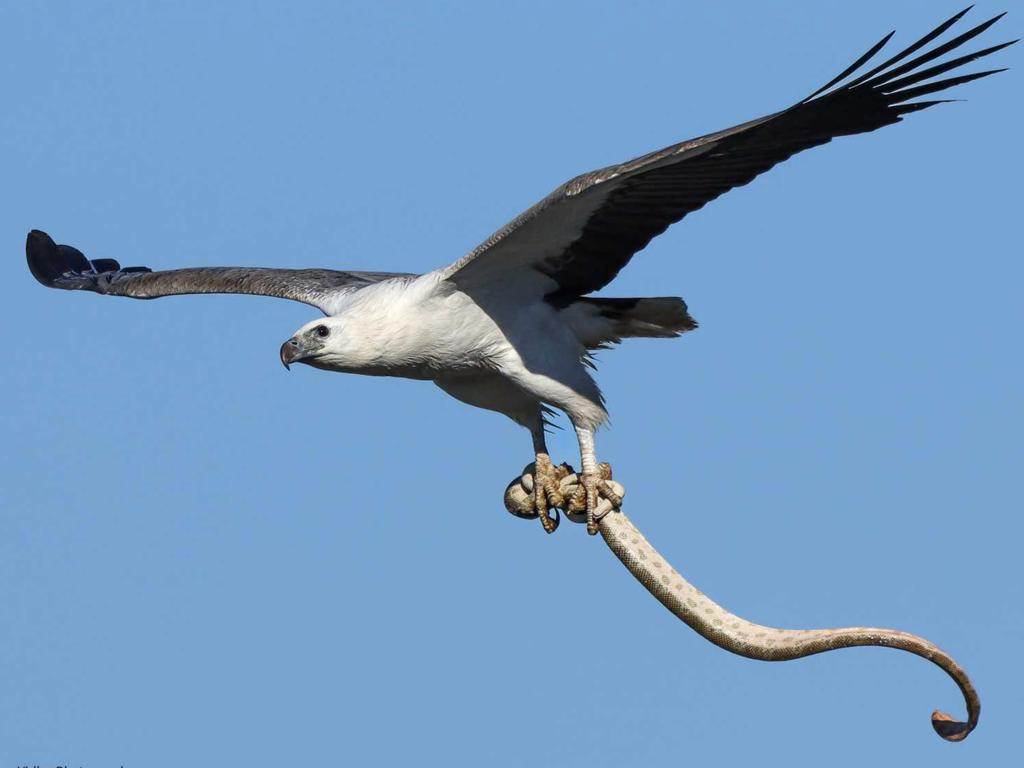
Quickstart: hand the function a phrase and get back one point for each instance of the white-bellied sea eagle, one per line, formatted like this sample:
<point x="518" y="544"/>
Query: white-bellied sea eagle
<point x="510" y="326"/>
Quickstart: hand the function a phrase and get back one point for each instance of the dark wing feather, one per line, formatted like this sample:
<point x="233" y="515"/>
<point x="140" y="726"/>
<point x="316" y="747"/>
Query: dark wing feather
<point x="62" y="266"/>
<point x="578" y="238"/>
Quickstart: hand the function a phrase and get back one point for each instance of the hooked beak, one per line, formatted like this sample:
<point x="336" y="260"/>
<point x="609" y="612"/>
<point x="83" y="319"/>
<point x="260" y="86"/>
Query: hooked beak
<point x="291" y="352"/>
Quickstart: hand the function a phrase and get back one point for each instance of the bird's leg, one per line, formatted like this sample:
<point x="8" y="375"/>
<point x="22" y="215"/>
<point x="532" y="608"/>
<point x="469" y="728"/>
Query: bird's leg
<point x="546" y="494"/>
<point x="594" y="484"/>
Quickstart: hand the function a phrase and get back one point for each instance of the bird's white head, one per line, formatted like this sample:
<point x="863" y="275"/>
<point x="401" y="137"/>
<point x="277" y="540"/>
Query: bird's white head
<point x="320" y="343"/>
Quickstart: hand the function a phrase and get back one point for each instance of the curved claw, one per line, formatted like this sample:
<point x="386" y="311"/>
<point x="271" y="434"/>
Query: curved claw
<point x="606" y="490"/>
<point x="550" y="521"/>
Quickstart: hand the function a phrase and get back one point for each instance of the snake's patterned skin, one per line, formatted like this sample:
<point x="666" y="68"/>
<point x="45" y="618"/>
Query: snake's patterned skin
<point x="729" y="631"/>
<point x="755" y="641"/>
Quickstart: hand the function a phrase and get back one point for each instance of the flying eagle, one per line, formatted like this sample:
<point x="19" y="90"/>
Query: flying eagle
<point x="511" y="326"/>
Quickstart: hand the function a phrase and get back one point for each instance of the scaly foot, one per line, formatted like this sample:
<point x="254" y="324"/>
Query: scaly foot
<point x="540" y="489"/>
<point x="547" y="497"/>
<point x="595" y="497"/>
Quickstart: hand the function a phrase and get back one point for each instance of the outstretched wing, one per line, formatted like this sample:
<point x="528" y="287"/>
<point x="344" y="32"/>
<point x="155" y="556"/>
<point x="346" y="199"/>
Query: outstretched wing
<point x="62" y="266"/>
<point x="578" y="238"/>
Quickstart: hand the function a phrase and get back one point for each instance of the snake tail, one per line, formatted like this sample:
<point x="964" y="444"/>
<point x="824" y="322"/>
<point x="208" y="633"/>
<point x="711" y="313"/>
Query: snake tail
<point x="739" y="636"/>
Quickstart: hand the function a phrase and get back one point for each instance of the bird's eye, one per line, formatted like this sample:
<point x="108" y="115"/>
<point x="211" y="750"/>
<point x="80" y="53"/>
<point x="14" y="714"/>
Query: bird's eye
<point x="322" y="331"/>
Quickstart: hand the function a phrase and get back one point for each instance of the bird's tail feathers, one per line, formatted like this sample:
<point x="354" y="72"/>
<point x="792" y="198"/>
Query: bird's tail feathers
<point x="600" y="322"/>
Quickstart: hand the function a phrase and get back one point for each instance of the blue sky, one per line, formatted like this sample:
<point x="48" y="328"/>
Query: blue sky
<point x="207" y="560"/>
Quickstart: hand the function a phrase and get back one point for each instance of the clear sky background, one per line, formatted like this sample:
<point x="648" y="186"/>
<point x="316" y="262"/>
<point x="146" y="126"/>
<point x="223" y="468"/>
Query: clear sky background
<point x="205" y="560"/>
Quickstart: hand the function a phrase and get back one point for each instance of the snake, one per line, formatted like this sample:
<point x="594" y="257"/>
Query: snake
<point x="738" y="635"/>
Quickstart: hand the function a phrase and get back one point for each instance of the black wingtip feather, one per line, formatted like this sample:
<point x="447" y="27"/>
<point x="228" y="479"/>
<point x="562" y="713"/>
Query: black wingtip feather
<point x="938" y="69"/>
<point x="49" y="262"/>
<point x="896" y="76"/>
<point x="940" y="85"/>
<point x="917" y="106"/>
<point x="45" y="261"/>
<point x="866" y="56"/>
<point x="105" y="265"/>
<point x="913" y="47"/>
<point x="924" y="58"/>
